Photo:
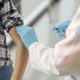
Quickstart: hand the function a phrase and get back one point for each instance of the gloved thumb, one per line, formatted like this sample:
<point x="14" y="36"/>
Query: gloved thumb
<point x="18" y="32"/>
<point x="53" y="29"/>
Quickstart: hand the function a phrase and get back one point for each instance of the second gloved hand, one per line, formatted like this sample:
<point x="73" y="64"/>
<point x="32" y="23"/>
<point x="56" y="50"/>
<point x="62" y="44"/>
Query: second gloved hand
<point x="27" y="34"/>
<point x="62" y="26"/>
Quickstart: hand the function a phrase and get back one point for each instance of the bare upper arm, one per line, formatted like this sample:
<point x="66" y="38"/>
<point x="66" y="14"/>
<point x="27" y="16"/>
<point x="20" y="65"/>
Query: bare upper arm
<point x="15" y="37"/>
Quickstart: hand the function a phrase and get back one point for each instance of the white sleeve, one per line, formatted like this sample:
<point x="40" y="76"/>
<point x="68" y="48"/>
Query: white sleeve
<point x="65" y="58"/>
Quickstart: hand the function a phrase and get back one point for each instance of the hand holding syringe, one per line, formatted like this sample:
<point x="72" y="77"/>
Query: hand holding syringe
<point x="56" y="28"/>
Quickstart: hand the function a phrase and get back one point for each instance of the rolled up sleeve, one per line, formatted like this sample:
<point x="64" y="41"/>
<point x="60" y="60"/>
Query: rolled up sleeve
<point x="9" y="15"/>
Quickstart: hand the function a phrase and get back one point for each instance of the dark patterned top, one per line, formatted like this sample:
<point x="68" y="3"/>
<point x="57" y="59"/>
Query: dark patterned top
<point x="9" y="17"/>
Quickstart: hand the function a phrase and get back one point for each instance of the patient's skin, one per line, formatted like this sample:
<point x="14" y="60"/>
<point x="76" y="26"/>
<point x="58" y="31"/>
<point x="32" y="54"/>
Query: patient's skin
<point x="22" y="55"/>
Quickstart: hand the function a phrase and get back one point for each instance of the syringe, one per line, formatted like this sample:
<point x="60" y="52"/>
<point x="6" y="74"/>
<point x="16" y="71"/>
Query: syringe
<point x="56" y="28"/>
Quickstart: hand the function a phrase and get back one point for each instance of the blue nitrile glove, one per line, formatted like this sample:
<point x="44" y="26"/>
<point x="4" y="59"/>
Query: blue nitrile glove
<point x="27" y="34"/>
<point x="62" y="26"/>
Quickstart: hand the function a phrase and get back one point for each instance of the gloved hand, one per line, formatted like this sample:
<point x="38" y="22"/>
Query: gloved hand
<point x="27" y="34"/>
<point x="62" y="26"/>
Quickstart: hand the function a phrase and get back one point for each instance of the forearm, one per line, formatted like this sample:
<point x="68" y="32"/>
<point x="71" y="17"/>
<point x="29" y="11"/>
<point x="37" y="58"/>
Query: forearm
<point x="20" y="63"/>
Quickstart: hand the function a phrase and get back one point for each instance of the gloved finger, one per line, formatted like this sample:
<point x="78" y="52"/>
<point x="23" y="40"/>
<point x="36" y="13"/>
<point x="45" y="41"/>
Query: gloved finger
<point x="53" y="29"/>
<point x="22" y="28"/>
<point x="62" y="37"/>
<point x="56" y="31"/>
<point x="60" y="34"/>
<point x="17" y="29"/>
<point x="18" y="32"/>
<point x="57" y="26"/>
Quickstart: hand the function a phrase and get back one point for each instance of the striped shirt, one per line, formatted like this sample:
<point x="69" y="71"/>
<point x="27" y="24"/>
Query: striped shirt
<point x="9" y="17"/>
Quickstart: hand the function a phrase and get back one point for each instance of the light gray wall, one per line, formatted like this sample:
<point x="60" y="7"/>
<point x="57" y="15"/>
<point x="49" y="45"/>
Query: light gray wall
<point x="27" y="6"/>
